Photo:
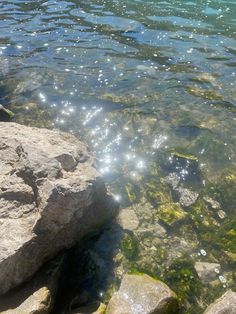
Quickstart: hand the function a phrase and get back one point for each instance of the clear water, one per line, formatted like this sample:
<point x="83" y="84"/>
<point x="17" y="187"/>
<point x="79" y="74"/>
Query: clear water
<point x="150" y="85"/>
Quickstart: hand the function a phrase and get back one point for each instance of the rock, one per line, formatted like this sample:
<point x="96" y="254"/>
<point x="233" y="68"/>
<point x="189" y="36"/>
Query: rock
<point x="171" y="213"/>
<point x="128" y="219"/>
<point x="50" y="197"/>
<point x="207" y="272"/>
<point x="37" y="296"/>
<point x="226" y="304"/>
<point x="141" y="294"/>
<point x="172" y="179"/>
<point x="186" y="196"/>
<point x="213" y="203"/>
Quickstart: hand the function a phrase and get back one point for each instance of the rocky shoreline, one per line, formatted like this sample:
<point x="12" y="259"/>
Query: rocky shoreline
<point x="51" y="199"/>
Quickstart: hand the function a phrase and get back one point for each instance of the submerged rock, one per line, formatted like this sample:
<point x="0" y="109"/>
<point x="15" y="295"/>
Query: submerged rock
<point x="50" y="197"/>
<point x="128" y="219"/>
<point x="171" y="213"/>
<point x="141" y="294"/>
<point x="186" y="196"/>
<point x="226" y="304"/>
<point x="207" y="272"/>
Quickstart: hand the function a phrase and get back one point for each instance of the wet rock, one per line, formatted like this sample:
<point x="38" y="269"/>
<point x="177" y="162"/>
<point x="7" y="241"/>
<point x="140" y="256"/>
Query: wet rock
<point x="171" y="213"/>
<point x="207" y="272"/>
<point x="50" y="197"/>
<point x="141" y="294"/>
<point x="186" y="196"/>
<point x="36" y="296"/>
<point x="128" y="219"/>
<point x="226" y="304"/>
<point x="213" y="203"/>
<point x="172" y="179"/>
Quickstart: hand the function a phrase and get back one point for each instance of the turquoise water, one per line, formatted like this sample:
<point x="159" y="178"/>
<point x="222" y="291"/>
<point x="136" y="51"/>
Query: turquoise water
<point x="150" y="86"/>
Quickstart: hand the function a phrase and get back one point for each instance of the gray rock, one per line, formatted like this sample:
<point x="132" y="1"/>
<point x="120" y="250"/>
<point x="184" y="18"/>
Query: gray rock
<point x="213" y="203"/>
<point x="226" y="304"/>
<point x="173" y="180"/>
<point x="36" y="296"/>
<point x="128" y="219"/>
<point x="141" y="294"/>
<point x="207" y="272"/>
<point x="186" y="196"/>
<point x="50" y="197"/>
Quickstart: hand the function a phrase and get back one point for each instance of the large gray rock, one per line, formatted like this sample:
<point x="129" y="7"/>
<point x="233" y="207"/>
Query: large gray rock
<point x="141" y="294"/>
<point x="50" y="197"/>
<point x="226" y="304"/>
<point x="36" y="296"/>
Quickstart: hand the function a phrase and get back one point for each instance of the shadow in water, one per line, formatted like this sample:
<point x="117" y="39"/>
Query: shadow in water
<point x="88" y="272"/>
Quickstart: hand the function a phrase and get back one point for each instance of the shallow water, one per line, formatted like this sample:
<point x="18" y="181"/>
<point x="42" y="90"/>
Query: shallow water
<point x="150" y="85"/>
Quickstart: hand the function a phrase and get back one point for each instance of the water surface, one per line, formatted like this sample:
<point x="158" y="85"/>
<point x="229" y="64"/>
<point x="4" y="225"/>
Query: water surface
<point x="150" y="86"/>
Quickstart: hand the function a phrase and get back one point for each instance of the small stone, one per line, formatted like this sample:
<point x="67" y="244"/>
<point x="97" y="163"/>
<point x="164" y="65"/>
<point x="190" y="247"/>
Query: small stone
<point x="128" y="219"/>
<point x="141" y="294"/>
<point x="226" y="304"/>
<point x="207" y="272"/>
<point x="221" y="214"/>
<point x="214" y="204"/>
<point x="172" y="179"/>
<point x="186" y="196"/>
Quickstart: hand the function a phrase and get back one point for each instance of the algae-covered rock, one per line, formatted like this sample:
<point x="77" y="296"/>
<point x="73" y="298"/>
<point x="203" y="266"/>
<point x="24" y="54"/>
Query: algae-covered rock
<point x="226" y="304"/>
<point x="129" y="246"/>
<point x="182" y="277"/>
<point x="223" y="191"/>
<point x="207" y="94"/>
<point x="171" y="213"/>
<point x="141" y="294"/>
<point x="157" y="193"/>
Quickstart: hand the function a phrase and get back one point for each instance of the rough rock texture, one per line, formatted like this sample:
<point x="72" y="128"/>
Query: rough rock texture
<point x="128" y="219"/>
<point x="50" y="196"/>
<point x="207" y="272"/>
<point x="141" y="294"/>
<point x="36" y="296"/>
<point x="226" y="304"/>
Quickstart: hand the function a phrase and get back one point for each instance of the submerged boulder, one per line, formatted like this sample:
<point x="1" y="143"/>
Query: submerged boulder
<point x="226" y="304"/>
<point x="50" y="196"/>
<point x="141" y="294"/>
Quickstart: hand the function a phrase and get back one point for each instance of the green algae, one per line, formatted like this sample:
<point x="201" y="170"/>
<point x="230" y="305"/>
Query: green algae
<point x="157" y="193"/>
<point x="207" y="94"/>
<point x="171" y="213"/>
<point x="33" y="114"/>
<point x="133" y="192"/>
<point x="182" y="153"/>
<point x="224" y="190"/>
<point x="183" y="279"/>
<point x="129" y="246"/>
